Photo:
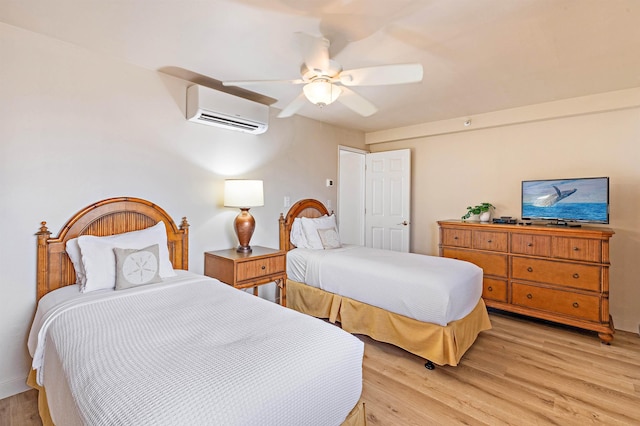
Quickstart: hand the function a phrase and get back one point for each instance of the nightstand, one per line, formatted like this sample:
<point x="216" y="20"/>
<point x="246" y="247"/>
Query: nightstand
<point x="245" y="270"/>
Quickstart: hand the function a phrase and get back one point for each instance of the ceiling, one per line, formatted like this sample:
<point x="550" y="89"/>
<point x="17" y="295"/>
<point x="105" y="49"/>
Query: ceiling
<point x="478" y="55"/>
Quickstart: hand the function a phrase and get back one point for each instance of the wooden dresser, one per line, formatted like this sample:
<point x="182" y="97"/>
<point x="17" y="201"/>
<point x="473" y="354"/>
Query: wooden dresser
<point x="558" y="274"/>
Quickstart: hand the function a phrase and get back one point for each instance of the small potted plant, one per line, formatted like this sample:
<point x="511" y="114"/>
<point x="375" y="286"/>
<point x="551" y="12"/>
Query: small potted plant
<point x="481" y="212"/>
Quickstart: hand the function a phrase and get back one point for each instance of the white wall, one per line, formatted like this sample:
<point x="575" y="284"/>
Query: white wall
<point x="76" y="127"/>
<point x="452" y="171"/>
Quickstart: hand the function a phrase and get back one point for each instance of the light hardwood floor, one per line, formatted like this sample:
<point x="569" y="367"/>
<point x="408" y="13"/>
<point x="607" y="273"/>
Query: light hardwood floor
<point x="522" y="372"/>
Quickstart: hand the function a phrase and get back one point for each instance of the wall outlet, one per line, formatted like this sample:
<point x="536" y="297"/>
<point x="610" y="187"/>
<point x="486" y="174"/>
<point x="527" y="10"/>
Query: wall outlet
<point x="329" y="183"/>
<point x="287" y="201"/>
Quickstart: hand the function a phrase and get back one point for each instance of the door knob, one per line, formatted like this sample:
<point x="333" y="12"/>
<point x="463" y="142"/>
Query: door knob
<point x="405" y="223"/>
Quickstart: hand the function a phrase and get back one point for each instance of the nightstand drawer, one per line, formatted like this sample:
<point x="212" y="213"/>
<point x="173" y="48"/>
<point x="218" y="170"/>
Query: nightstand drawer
<point x="260" y="268"/>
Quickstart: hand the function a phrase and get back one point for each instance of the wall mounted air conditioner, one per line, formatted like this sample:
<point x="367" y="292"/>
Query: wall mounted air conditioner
<point x="215" y="108"/>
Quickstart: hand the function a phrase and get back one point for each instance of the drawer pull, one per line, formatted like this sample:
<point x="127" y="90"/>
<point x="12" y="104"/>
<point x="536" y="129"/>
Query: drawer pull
<point x="576" y="249"/>
<point x="455" y="238"/>
<point x="530" y="269"/>
<point x="263" y="267"/>
<point x="529" y="244"/>
<point x="576" y="305"/>
<point x="489" y="241"/>
<point x="576" y="275"/>
<point x="529" y="296"/>
<point x="489" y="288"/>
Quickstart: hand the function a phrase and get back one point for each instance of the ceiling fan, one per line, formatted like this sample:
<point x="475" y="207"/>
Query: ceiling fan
<point x="325" y="81"/>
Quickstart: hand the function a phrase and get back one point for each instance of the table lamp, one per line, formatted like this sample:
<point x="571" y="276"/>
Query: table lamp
<point x="244" y="194"/>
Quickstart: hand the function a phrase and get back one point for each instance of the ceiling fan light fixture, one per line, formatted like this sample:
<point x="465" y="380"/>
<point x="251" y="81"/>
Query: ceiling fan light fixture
<point x="321" y="92"/>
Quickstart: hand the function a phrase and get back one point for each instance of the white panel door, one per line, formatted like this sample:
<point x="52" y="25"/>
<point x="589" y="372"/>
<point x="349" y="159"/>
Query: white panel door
<point x="388" y="200"/>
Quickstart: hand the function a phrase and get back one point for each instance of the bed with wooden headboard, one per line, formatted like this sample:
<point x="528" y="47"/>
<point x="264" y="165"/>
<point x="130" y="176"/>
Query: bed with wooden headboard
<point x="107" y="217"/>
<point x="125" y="335"/>
<point x="437" y="344"/>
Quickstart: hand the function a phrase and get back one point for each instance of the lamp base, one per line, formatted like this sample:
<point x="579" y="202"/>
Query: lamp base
<point x="245" y="225"/>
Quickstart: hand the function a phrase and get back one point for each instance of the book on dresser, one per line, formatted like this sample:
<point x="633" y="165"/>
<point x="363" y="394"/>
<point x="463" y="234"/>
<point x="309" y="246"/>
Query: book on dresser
<point x="552" y="273"/>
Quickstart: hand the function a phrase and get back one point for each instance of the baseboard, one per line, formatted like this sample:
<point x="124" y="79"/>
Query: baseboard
<point x="13" y="387"/>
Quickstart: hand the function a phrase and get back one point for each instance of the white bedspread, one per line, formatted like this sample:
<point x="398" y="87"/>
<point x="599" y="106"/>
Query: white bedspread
<point x="427" y="288"/>
<point x="192" y="351"/>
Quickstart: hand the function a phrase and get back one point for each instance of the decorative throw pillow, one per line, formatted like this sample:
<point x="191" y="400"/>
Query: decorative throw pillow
<point x="137" y="267"/>
<point x="330" y="238"/>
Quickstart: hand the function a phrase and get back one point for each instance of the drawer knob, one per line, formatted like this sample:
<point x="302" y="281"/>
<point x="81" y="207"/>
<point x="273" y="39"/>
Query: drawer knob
<point x="490" y="288"/>
<point x="488" y="241"/>
<point x="576" y="275"/>
<point x="576" y="249"/>
<point x="529" y="296"/>
<point x="263" y="267"/>
<point x="576" y="305"/>
<point x="455" y="238"/>
<point x="529" y="244"/>
<point x="530" y="269"/>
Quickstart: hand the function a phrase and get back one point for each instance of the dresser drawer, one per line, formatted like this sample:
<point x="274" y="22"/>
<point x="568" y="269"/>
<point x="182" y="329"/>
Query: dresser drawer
<point x="488" y="240"/>
<point x="556" y="301"/>
<point x="536" y="245"/>
<point x="573" y="275"/>
<point x="260" y="268"/>
<point x="494" y="289"/>
<point x="577" y="249"/>
<point x="456" y="237"/>
<point x="491" y="264"/>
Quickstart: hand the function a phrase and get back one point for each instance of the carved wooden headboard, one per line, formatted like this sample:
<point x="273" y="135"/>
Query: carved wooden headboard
<point x="303" y="208"/>
<point x="107" y="217"/>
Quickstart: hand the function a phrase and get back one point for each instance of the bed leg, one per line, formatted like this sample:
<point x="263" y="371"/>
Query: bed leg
<point x="429" y="365"/>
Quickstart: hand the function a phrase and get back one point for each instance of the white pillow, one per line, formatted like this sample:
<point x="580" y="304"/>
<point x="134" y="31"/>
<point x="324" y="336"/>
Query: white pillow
<point x="99" y="260"/>
<point x="296" y="235"/>
<point x="310" y="228"/>
<point x="73" y="250"/>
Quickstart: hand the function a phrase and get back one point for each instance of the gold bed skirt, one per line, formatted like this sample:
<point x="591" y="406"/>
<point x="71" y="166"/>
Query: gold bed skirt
<point x="43" y="406"/>
<point x="441" y="345"/>
<point x="357" y="416"/>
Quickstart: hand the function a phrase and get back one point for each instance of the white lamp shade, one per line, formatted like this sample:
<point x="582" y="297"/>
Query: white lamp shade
<point x="243" y="193"/>
<point x="321" y="92"/>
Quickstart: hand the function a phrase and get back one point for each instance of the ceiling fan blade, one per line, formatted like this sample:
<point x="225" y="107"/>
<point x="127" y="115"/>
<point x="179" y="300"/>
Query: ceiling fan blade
<point x="256" y="82"/>
<point x="293" y="106"/>
<point x="315" y="51"/>
<point x="382" y="75"/>
<point x="357" y="103"/>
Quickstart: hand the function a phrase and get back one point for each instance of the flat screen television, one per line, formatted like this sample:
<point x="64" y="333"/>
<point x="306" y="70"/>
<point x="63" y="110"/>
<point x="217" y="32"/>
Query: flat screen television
<point x="566" y="201"/>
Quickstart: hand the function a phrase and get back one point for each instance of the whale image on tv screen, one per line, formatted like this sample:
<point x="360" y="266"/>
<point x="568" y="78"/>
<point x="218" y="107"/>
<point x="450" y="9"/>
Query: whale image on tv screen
<point x="579" y="199"/>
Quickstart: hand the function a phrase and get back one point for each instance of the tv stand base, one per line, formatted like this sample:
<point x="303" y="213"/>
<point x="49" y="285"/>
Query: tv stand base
<point x="567" y="224"/>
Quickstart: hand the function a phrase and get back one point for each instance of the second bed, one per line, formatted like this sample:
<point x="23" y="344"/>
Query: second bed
<point x="427" y="305"/>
